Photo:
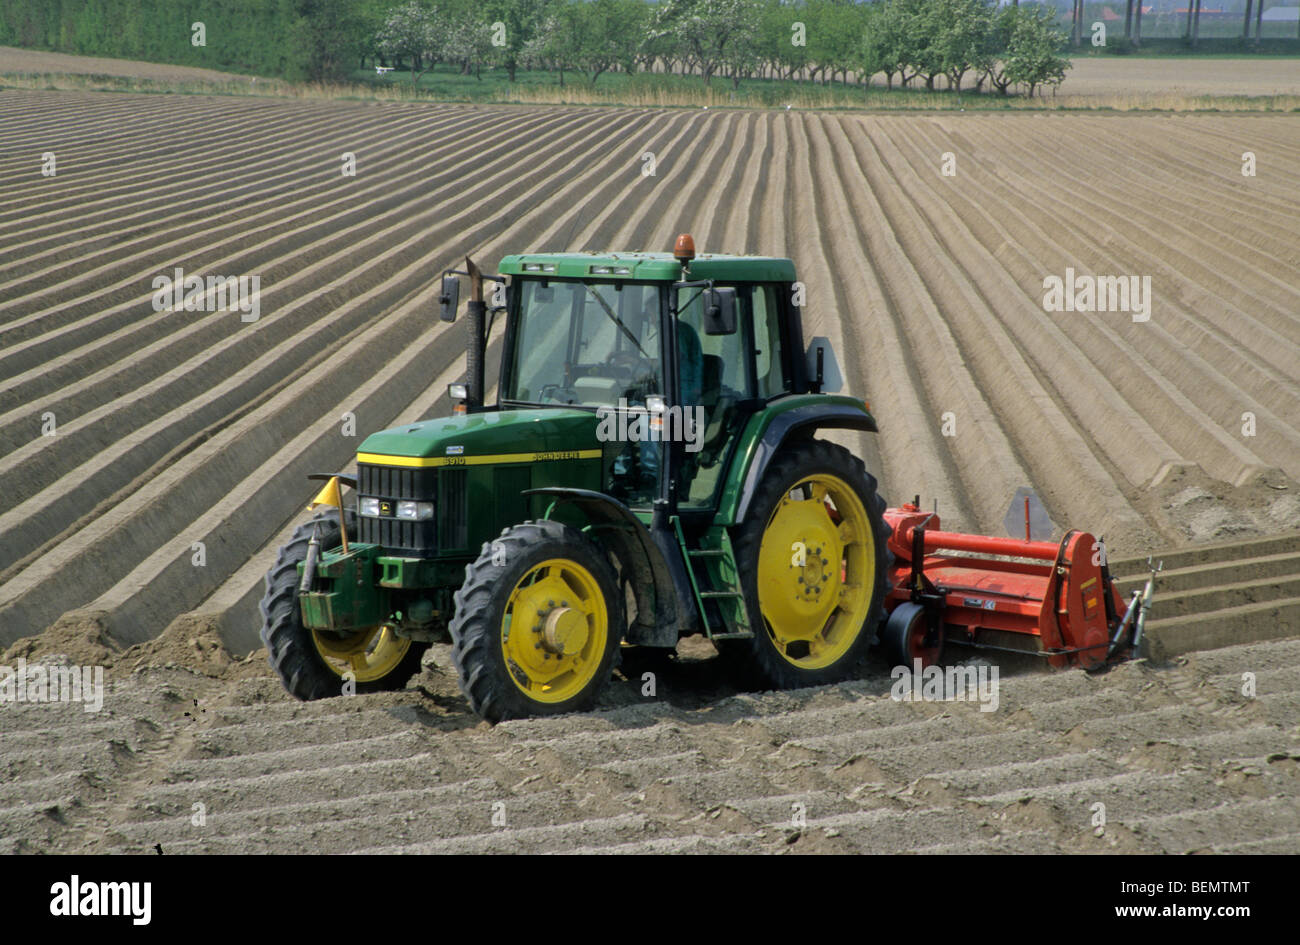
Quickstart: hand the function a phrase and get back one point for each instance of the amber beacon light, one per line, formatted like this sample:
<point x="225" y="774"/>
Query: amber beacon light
<point x="684" y="248"/>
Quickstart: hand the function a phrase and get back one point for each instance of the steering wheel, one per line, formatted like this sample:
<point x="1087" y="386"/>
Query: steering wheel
<point x="558" y="393"/>
<point x="628" y="364"/>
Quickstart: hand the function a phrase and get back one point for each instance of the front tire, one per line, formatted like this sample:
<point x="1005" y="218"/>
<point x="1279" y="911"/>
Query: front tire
<point x="815" y="562"/>
<point x="538" y="623"/>
<point x="312" y="663"/>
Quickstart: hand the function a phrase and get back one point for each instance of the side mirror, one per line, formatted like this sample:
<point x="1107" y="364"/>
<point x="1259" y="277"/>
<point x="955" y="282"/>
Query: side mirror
<point x="449" y="300"/>
<point x="823" y="367"/>
<point x="719" y="311"/>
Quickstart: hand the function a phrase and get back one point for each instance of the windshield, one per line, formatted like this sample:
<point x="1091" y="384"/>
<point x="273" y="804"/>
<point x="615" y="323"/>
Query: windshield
<point x="586" y="343"/>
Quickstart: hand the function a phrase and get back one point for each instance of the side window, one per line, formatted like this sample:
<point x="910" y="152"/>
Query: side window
<point x="713" y="377"/>
<point x="771" y="379"/>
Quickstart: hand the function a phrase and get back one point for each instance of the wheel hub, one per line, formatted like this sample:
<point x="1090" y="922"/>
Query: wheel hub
<point x="554" y="630"/>
<point x="805" y="591"/>
<point x="564" y="630"/>
<point x="815" y="563"/>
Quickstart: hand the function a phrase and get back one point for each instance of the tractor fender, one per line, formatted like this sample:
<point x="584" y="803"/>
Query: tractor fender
<point x="652" y="563"/>
<point x="793" y="424"/>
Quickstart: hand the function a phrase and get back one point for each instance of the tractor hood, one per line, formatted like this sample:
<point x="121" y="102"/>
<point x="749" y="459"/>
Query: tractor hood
<point x="491" y="437"/>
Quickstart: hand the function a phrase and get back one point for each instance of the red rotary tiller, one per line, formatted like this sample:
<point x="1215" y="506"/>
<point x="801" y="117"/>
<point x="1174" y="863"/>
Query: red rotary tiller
<point x="1050" y="599"/>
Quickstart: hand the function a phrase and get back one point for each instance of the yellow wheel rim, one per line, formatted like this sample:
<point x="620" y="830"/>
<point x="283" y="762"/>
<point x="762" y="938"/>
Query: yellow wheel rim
<point x="554" y="630"/>
<point x="369" y="655"/>
<point x="816" y="571"/>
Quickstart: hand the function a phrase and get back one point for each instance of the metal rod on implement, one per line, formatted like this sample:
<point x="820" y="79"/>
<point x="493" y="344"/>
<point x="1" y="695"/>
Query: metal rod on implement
<point x="1128" y="619"/>
<point x="309" y="565"/>
<point x="1012" y="547"/>
<point x="1148" y="593"/>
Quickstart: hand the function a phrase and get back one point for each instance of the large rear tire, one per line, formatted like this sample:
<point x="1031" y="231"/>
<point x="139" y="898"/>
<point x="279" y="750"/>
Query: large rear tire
<point x="814" y="563"/>
<point x="312" y="663"/>
<point x="538" y="623"/>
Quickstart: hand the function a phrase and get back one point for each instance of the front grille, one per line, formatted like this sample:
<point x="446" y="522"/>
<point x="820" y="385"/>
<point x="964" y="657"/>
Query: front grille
<point x="417" y="539"/>
<point x="395" y="482"/>
<point x="453" y="509"/>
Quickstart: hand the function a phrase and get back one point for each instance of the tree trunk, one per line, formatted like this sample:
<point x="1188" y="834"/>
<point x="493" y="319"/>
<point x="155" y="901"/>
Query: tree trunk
<point x="1128" y="20"/>
<point x="1137" y="25"/>
<point x="1187" y="31"/>
<point x="1245" y="26"/>
<point x="1259" y="14"/>
<point x="1196" y="24"/>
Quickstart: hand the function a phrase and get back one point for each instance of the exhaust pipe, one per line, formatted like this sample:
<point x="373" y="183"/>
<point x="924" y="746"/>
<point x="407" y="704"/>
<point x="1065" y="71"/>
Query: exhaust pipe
<point x="476" y="310"/>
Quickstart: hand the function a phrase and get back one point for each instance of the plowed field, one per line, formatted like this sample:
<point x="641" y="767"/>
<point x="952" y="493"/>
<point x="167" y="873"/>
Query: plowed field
<point x="132" y="440"/>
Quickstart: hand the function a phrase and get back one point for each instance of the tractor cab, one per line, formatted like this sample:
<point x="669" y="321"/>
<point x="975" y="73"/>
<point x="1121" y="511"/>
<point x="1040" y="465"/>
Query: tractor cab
<point x="674" y="353"/>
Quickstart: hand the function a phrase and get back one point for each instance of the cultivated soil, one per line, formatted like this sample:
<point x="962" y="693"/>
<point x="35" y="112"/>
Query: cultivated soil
<point x="135" y="535"/>
<point x="13" y="59"/>
<point x="1107" y="76"/>
<point x="180" y="762"/>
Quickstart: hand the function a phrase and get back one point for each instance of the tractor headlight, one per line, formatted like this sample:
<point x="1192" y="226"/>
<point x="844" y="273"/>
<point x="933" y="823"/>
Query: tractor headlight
<point x="369" y="507"/>
<point x="417" y="511"/>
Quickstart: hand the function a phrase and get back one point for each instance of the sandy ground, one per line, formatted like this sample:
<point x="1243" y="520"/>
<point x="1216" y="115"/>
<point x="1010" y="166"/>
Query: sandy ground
<point x="179" y="762"/>
<point x="13" y="59"/>
<point x="1119" y="75"/>
<point x="180" y="428"/>
<point x="175" y="433"/>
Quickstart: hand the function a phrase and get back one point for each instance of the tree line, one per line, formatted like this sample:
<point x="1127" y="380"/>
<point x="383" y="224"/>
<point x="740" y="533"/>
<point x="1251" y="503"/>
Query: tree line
<point x="819" y="41"/>
<point x="909" y="43"/>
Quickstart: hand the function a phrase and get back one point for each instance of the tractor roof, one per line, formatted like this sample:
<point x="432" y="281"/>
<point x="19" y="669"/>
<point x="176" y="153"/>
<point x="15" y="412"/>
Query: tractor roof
<point x="658" y="267"/>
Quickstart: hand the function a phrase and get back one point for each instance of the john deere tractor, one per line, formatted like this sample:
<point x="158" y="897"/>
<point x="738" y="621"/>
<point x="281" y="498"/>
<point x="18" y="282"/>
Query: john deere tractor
<point x="650" y="469"/>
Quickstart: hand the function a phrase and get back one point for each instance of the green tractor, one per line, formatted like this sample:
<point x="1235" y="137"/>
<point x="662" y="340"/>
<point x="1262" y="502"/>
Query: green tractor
<point x="650" y="470"/>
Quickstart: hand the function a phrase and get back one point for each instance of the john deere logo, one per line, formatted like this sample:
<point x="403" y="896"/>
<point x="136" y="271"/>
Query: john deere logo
<point x="385" y="508"/>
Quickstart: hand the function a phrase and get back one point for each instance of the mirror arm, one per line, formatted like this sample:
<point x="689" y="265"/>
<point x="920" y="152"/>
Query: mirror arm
<point x="700" y="284"/>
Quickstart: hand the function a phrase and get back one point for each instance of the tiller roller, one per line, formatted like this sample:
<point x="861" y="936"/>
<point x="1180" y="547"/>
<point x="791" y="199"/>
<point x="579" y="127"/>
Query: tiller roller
<point x="1051" y="599"/>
